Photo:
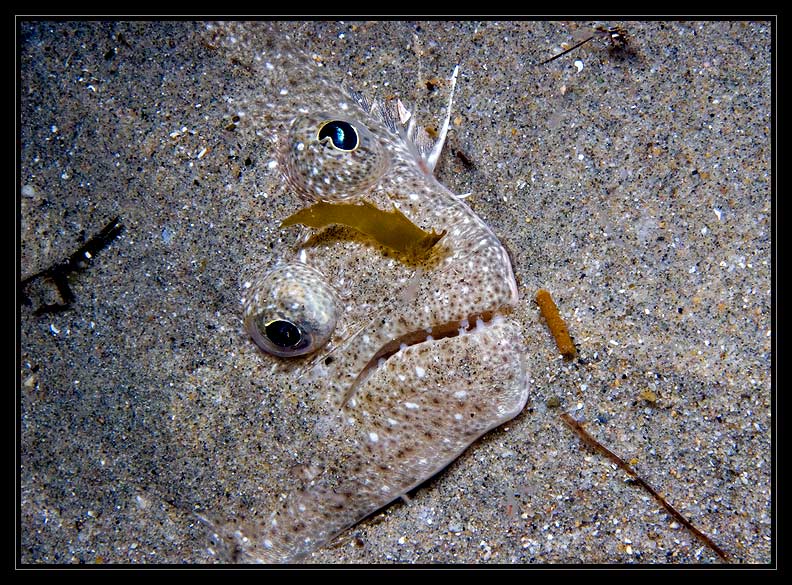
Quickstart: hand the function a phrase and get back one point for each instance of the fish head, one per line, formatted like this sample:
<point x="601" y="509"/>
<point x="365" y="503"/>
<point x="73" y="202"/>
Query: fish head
<point x="400" y="363"/>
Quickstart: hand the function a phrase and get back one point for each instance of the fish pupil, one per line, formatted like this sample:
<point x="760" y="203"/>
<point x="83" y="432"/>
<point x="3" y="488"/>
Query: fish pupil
<point x="342" y="134"/>
<point x="283" y="333"/>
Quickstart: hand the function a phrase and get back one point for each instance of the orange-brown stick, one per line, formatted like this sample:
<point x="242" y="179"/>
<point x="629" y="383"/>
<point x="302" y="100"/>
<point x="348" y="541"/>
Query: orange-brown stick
<point x="556" y="324"/>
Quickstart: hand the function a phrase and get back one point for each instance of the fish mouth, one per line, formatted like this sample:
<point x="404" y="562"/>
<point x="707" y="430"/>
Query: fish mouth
<point x="471" y="325"/>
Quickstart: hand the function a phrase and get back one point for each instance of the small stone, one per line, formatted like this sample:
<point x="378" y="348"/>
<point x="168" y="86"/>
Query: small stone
<point x="648" y="395"/>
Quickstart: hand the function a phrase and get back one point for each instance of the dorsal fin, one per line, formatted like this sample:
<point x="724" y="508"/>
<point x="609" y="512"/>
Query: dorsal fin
<point x="401" y="121"/>
<point x="434" y="156"/>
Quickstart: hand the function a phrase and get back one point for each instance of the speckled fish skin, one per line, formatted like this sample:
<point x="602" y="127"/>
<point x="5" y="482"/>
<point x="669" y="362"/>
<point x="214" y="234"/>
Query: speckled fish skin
<point x="378" y="427"/>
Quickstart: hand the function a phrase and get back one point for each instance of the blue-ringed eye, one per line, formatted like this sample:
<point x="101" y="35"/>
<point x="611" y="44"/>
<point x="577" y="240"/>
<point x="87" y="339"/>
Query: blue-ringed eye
<point x="342" y="135"/>
<point x="331" y="157"/>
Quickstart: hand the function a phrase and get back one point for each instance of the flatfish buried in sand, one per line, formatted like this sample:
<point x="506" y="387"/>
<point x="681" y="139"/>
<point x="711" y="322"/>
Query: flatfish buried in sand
<point x="398" y="362"/>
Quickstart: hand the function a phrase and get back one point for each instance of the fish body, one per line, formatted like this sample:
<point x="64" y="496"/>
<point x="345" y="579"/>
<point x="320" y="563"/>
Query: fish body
<point x="419" y="359"/>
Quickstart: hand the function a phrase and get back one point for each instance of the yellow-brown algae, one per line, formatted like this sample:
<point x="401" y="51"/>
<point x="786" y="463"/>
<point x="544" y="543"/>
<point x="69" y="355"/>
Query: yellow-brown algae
<point x="392" y="229"/>
<point x="556" y="324"/>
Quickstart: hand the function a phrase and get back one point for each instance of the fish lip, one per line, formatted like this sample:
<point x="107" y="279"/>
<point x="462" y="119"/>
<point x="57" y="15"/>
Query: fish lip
<point x="471" y="325"/>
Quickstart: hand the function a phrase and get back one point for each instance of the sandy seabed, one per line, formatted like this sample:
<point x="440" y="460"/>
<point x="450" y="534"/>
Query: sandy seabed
<point x="633" y="184"/>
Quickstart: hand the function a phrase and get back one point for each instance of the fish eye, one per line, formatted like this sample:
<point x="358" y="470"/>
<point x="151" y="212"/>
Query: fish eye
<point x="290" y="311"/>
<point x="283" y="333"/>
<point x="330" y="157"/>
<point x="340" y="134"/>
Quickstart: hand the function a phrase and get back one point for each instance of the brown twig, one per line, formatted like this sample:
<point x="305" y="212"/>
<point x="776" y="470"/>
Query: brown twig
<point x="600" y="448"/>
<point x="60" y="272"/>
<point x="569" y="50"/>
<point x="618" y="38"/>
